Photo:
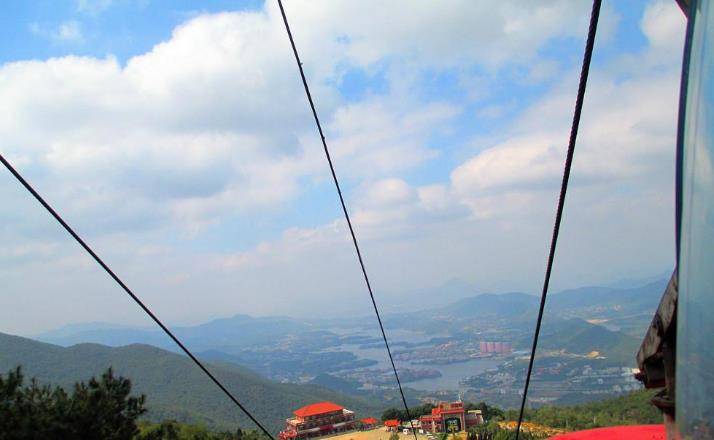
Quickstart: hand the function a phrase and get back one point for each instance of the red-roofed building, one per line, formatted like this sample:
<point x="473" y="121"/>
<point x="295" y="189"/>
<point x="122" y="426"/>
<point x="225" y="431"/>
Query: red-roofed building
<point x="447" y="417"/>
<point x="635" y="432"/>
<point x="369" y="423"/>
<point x="392" y="425"/>
<point x="316" y="420"/>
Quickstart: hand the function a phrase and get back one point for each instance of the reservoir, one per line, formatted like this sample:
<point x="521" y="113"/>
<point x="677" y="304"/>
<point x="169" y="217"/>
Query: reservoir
<point x="451" y="374"/>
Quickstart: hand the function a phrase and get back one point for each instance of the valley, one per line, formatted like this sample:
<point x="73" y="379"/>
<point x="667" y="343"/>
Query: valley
<point x="475" y="347"/>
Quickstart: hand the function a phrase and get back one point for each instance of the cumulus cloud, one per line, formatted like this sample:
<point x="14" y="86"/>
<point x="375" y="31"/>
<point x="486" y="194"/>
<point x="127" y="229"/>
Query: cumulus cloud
<point x="211" y="127"/>
<point x="201" y="119"/>
<point x="375" y="139"/>
<point x="214" y="120"/>
<point x="662" y="25"/>
<point x="501" y="199"/>
<point x="455" y="33"/>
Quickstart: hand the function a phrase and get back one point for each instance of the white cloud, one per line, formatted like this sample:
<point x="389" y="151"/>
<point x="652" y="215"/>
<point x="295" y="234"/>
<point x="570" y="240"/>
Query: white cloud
<point x="662" y="25"/>
<point x="66" y="32"/>
<point x="519" y="163"/>
<point x="387" y="192"/>
<point x="626" y="137"/>
<point x="375" y="138"/>
<point x="69" y="31"/>
<point x="212" y="124"/>
<point x="617" y="215"/>
<point x="214" y="118"/>
<point x="456" y="32"/>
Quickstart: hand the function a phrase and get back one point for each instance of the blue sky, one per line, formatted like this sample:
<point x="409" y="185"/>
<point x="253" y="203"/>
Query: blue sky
<point x="178" y="140"/>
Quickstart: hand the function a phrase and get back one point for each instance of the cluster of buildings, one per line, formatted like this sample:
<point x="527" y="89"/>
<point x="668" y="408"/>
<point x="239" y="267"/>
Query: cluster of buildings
<point x="495" y="347"/>
<point x="316" y="420"/>
<point x="327" y="418"/>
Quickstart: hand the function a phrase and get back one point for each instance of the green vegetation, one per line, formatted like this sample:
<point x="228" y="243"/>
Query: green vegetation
<point x="97" y="409"/>
<point x="491" y="431"/>
<point x="181" y="393"/>
<point x="400" y="414"/>
<point x="178" y="390"/>
<point x="578" y="336"/>
<point x="632" y="409"/>
<point x="172" y="430"/>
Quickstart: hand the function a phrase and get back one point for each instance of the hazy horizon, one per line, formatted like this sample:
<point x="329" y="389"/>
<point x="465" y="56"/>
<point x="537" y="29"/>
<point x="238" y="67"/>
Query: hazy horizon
<point x="385" y="307"/>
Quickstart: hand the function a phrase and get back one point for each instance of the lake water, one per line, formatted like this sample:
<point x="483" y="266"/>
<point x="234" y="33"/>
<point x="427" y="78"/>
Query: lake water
<point x="451" y="374"/>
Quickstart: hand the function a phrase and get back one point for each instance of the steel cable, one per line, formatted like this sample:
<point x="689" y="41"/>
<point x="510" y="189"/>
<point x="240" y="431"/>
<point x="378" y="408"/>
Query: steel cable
<point x="344" y="209"/>
<point x="563" y="189"/>
<point x="136" y="299"/>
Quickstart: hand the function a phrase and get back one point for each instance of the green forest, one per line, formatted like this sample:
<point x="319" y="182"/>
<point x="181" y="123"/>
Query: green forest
<point x="106" y="408"/>
<point x="177" y="390"/>
<point x="631" y="409"/>
<point x="102" y="408"/>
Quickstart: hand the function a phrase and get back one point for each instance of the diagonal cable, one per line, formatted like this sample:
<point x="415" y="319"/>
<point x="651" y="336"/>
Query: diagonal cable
<point x="136" y="299"/>
<point x="563" y="189"/>
<point x="344" y="209"/>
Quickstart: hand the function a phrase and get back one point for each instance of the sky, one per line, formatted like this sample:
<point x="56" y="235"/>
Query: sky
<point x="178" y="141"/>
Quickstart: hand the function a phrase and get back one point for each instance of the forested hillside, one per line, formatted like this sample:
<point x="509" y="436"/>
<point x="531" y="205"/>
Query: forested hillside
<point x="175" y="387"/>
<point x="578" y="336"/>
<point x="632" y="409"/>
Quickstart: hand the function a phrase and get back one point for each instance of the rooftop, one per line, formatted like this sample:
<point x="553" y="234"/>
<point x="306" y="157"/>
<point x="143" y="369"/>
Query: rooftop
<point x="636" y="432"/>
<point x="317" y="409"/>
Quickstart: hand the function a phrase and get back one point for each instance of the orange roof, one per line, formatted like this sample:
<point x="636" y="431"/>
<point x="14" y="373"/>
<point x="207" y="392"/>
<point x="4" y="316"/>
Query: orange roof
<point x="636" y="432"/>
<point x="317" y="408"/>
<point x="369" y="421"/>
<point x="391" y="423"/>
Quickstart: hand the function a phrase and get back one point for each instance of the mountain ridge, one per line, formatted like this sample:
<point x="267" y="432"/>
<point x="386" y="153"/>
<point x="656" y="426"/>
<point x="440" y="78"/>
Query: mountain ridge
<point x="241" y="330"/>
<point x="175" y="388"/>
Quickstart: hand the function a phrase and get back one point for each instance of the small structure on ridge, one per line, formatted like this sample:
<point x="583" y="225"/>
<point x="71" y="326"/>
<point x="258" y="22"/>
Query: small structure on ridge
<point x="450" y="417"/>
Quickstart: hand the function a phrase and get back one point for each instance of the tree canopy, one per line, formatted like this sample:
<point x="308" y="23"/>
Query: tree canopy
<point x="101" y="408"/>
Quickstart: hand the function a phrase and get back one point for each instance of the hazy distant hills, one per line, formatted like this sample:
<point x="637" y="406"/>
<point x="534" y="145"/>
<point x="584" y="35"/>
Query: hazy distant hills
<point x="175" y="387"/>
<point x="605" y="319"/>
<point x="599" y="302"/>
<point x="580" y="337"/>
<point x="227" y="334"/>
<point x="627" y="300"/>
<point x="627" y="309"/>
<point x="502" y="305"/>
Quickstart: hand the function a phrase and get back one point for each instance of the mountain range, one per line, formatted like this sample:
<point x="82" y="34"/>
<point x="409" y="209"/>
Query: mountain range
<point x="626" y="309"/>
<point x="175" y="387"/>
<point x="605" y="319"/>
<point x="595" y="302"/>
<point x="225" y="334"/>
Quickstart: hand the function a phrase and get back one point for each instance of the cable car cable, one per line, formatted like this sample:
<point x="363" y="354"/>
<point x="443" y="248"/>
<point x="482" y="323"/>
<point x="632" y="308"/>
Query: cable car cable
<point x="136" y="299"/>
<point x="563" y="189"/>
<point x="344" y="209"/>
